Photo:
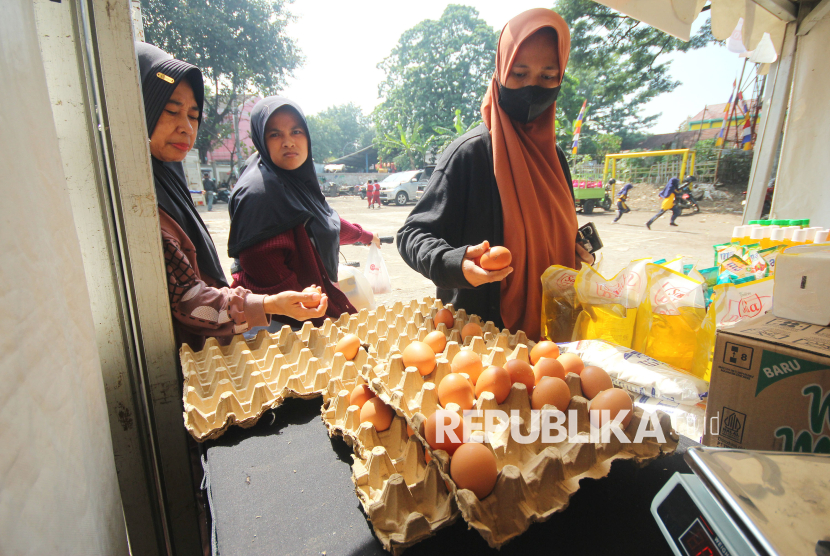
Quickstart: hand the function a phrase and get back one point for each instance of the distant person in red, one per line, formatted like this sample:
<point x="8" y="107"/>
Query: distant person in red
<point x="370" y="193"/>
<point x="376" y="195"/>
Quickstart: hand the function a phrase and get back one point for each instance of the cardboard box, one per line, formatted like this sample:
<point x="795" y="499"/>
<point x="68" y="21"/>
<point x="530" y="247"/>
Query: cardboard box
<point x="801" y="277"/>
<point x="770" y="387"/>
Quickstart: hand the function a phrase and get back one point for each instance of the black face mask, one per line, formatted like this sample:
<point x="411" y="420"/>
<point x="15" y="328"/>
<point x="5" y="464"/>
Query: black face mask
<point x="526" y="103"/>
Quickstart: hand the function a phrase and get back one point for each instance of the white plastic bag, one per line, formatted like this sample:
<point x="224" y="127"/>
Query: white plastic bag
<point x="376" y="272"/>
<point x="356" y="287"/>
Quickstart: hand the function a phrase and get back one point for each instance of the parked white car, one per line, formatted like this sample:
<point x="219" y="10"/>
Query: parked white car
<point x="402" y="187"/>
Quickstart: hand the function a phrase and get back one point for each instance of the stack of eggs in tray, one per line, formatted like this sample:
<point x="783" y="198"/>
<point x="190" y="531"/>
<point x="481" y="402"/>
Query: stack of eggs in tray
<point x="395" y="379"/>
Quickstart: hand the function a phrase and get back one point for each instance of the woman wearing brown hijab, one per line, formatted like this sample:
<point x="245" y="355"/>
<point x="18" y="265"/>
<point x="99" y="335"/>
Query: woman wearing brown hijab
<point x="504" y="183"/>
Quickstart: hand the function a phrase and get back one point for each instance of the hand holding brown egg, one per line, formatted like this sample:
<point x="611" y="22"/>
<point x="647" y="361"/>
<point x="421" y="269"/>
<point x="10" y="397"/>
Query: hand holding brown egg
<point x="476" y="275"/>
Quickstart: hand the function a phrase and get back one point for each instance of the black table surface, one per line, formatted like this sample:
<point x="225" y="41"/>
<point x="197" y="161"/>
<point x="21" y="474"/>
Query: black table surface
<point x="284" y="487"/>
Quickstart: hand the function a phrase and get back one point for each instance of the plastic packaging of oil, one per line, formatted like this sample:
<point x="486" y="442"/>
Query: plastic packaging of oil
<point x="670" y="316"/>
<point x="609" y="306"/>
<point x="560" y="307"/>
<point x="731" y="303"/>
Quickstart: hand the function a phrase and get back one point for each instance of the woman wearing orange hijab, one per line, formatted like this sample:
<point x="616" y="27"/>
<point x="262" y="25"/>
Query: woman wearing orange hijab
<point x="504" y="183"/>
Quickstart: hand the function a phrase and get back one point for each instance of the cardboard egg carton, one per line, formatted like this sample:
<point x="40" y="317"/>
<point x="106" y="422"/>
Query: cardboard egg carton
<point x="237" y="383"/>
<point x="404" y="497"/>
<point x="535" y="480"/>
<point x="388" y="330"/>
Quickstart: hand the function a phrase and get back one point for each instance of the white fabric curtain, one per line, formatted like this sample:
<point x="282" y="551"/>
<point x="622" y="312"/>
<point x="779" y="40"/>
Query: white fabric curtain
<point x="675" y="17"/>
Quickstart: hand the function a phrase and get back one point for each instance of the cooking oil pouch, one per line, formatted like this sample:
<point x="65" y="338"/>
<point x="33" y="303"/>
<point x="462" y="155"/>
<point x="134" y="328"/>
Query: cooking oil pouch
<point x="757" y="264"/>
<point x="676" y="264"/>
<point x="669" y="317"/>
<point x="745" y="249"/>
<point x="724" y="251"/>
<point x="770" y="254"/>
<point x="732" y="303"/>
<point x="605" y="314"/>
<point x="737" y="266"/>
<point x="559" y="304"/>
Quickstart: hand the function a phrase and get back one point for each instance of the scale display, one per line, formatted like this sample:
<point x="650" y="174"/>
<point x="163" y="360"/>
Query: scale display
<point x="688" y="527"/>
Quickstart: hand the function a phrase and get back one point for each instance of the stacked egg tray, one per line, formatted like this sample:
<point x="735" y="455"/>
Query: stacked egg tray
<point x="406" y="492"/>
<point x="237" y="383"/>
<point x="535" y="480"/>
<point x="404" y="496"/>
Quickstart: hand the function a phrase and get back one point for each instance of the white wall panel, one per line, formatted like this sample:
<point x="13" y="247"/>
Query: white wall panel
<point x="58" y="488"/>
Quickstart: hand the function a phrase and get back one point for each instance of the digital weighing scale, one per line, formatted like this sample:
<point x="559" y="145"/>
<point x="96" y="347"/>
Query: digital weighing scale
<point x="741" y="502"/>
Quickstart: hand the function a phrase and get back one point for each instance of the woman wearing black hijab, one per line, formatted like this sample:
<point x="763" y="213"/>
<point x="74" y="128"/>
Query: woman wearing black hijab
<point x="200" y="299"/>
<point x="284" y="233"/>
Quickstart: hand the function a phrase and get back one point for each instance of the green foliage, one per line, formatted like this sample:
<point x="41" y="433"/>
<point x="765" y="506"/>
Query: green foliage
<point x="240" y="45"/>
<point x="619" y="64"/>
<point x="338" y="131"/>
<point x="735" y="166"/>
<point x="605" y="143"/>
<point x="411" y="144"/>
<point x="445" y="135"/>
<point x="437" y="67"/>
<point x="706" y="150"/>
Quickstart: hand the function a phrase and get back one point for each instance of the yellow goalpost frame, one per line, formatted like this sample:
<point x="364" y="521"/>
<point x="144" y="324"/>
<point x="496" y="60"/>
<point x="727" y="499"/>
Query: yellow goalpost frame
<point x="612" y="158"/>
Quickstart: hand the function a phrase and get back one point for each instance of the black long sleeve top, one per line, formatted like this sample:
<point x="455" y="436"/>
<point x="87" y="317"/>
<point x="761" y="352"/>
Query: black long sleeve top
<point x="461" y="207"/>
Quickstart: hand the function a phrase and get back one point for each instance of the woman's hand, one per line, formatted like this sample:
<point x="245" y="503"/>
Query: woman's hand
<point x="376" y="240"/>
<point x="476" y="275"/>
<point x="300" y="306"/>
<point x="583" y="255"/>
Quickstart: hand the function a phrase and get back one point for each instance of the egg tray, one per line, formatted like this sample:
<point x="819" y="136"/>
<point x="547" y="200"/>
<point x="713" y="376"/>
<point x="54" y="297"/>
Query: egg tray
<point x="387" y="331"/>
<point x="535" y="480"/>
<point x="404" y="497"/>
<point x="237" y="383"/>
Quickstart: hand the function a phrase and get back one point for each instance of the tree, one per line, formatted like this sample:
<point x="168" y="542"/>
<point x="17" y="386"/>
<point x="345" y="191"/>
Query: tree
<point x="619" y="64"/>
<point x="338" y="131"/>
<point x="437" y="67"/>
<point x="240" y="46"/>
<point x="445" y="135"/>
<point x="410" y="143"/>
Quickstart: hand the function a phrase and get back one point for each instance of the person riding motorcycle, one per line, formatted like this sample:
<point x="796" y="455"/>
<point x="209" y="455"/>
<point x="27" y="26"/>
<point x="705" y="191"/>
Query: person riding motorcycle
<point x="685" y="199"/>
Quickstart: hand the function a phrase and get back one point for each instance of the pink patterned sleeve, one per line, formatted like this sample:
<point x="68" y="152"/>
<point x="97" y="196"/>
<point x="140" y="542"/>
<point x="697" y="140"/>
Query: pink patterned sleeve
<point x="203" y="309"/>
<point x="352" y="233"/>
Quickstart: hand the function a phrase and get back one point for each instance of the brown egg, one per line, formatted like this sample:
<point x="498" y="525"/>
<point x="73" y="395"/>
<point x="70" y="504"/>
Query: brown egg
<point x="614" y="400"/>
<point x="447" y="444"/>
<point x="466" y="361"/>
<point x="454" y="388"/>
<point x="376" y="412"/>
<point x="551" y="391"/>
<point x="445" y="316"/>
<point x="496" y="258"/>
<point x="471" y="329"/>
<point x="594" y="380"/>
<point x="495" y="380"/>
<point x="311" y="304"/>
<point x="348" y="346"/>
<point x="360" y="395"/>
<point x="473" y="467"/>
<point x="547" y="366"/>
<point x="571" y="362"/>
<point x="436" y="340"/>
<point x="521" y="372"/>
<point x="419" y="355"/>
<point x="545" y="348"/>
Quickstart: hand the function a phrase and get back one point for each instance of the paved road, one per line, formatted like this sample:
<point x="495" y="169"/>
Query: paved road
<point x="625" y="241"/>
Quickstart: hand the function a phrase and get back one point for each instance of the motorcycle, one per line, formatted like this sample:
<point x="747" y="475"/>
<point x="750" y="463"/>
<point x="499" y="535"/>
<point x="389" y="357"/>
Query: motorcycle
<point x="685" y="199"/>
<point x="223" y="194"/>
<point x="606" y="202"/>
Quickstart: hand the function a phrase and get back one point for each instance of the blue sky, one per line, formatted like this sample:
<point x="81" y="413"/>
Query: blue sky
<point x="344" y="41"/>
